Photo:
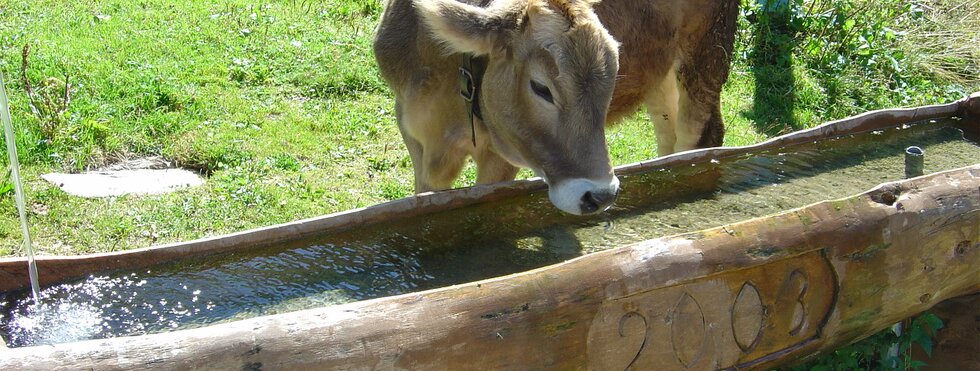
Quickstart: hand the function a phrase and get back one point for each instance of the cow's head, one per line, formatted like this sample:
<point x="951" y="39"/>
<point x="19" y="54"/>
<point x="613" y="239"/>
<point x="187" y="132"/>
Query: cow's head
<point x="546" y="90"/>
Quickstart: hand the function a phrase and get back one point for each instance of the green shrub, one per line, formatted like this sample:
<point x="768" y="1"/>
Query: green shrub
<point x="872" y="353"/>
<point x="859" y="55"/>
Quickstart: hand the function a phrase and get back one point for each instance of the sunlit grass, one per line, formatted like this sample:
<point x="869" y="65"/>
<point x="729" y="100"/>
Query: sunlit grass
<point x="279" y="104"/>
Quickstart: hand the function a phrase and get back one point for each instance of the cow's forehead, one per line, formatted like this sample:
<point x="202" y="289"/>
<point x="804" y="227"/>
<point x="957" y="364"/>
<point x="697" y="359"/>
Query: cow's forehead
<point x="584" y="53"/>
<point x="547" y="28"/>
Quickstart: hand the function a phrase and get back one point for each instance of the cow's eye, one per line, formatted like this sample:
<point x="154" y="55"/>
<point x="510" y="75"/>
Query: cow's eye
<point x="542" y="91"/>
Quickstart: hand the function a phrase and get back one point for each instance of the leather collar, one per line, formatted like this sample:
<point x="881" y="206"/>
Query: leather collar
<point x="470" y="81"/>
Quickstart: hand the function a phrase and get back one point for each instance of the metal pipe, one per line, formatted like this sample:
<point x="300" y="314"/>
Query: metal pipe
<point x="913" y="161"/>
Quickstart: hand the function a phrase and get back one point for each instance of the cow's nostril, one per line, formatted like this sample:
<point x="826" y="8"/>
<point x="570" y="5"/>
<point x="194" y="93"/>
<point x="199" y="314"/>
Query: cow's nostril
<point x="596" y="201"/>
<point x="589" y="204"/>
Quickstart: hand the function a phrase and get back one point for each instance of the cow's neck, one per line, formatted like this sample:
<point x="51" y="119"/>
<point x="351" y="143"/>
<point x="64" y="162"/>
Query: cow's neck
<point x="470" y="81"/>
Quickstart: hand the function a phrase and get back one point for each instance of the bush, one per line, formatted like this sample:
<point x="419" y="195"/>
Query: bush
<point x="873" y="353"/>
<point x="864" y="55"/>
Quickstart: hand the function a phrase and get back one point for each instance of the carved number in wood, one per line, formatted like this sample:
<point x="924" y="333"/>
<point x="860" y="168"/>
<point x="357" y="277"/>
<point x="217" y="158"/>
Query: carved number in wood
<point x="747" y="317"/>
<point x="634" y="325"/>
<point x="687" y="330"/>
<point x="730" y="319"/>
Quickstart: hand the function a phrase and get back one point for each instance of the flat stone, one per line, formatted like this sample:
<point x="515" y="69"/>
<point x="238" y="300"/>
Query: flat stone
<point x="121" y="182"/>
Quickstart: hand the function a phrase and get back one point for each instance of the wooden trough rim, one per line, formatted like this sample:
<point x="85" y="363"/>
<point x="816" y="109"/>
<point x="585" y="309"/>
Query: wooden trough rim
<point x="56" y="269"/>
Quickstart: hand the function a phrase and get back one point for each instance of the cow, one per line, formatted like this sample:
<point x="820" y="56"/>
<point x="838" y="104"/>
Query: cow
<point x="533" y="84"/>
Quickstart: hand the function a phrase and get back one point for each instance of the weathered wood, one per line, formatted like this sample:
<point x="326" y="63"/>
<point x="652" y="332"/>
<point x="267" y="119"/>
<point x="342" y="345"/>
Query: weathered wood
<point x="55" y="269"/>
<point x="746" y="295"/>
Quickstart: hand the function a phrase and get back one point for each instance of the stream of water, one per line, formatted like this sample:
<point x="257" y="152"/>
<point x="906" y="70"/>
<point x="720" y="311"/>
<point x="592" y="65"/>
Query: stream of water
<point x="8" y="135"/>
<point x="471" y="243"/>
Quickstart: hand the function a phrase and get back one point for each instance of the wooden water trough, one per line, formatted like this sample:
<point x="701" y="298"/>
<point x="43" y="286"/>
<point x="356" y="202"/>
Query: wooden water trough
<point x="747" y="295"/>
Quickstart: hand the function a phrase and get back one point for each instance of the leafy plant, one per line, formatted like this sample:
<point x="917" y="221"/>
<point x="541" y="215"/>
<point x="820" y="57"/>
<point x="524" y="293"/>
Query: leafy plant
<point x="861" y="55"/>
<point x="6" y="188"/>
<point x="48" y="100"/>
<point x="873" y="353"/>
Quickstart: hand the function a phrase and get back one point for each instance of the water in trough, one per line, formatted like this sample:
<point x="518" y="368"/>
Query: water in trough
<point x="472" y="243"/>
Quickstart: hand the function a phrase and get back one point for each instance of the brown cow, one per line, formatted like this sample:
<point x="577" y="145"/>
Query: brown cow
<point x="549" y="75"/>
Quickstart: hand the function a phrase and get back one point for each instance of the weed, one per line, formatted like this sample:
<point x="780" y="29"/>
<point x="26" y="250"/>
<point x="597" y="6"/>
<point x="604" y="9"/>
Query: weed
<point x="49" y="100"/>
<point x="6" y="188"/>
<point x="283" y="161"/>
<point x="818" y="59"/>
<point x="391" y="190"/>
<point x="875" y="352"/>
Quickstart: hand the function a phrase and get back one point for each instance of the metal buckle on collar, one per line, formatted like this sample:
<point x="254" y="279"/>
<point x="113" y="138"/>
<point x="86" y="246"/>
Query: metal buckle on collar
<point x="468" y="89"/>
<point x="467" y="86"/>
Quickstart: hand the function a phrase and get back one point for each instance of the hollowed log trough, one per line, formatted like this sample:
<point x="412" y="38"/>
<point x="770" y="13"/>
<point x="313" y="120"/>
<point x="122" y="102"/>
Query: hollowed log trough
<point x="748" y="295"/>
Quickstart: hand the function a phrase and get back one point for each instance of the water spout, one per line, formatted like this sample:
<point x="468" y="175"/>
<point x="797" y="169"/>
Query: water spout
<point x="8" y="130"/>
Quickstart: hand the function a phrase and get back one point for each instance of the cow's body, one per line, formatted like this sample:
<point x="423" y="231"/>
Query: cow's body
<point x="673" y="57"/>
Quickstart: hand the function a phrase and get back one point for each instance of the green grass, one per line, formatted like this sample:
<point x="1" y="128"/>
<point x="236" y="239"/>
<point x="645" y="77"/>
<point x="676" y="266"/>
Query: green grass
<point x="280" y="105"/>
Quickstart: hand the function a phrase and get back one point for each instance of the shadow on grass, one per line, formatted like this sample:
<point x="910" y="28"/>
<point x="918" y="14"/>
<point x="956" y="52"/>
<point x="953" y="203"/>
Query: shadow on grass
<point x="772" y="67"/>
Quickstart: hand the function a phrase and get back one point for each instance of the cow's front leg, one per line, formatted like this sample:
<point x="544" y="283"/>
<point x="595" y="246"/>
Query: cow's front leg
<point x="700" y="124"/>
<point x="661" y="105"/>
<point x="442" y="163"/>
<point x="414" y="146"/>
<point x="435" y="137"/>
<point x="701" y="78"/>
<point x="491" y="168"/>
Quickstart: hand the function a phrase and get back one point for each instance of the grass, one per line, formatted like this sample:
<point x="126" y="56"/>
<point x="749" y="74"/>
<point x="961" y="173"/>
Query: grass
<point x="280" y="105"/>
<point x="251" y="95"/>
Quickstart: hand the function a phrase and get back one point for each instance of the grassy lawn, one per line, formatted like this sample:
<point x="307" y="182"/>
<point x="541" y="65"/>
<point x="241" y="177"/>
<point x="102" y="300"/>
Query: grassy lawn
<point x="281" y="107"/>
<point x="279" y="104"/>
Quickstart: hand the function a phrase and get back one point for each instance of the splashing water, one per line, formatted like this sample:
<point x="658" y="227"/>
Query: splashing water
<point x="60" y="322"/>
<point x="185" y="296"/>
<point x="91" y="308"/>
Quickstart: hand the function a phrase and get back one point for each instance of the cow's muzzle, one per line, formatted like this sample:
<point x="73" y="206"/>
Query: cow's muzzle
<point x="581" y="196"/>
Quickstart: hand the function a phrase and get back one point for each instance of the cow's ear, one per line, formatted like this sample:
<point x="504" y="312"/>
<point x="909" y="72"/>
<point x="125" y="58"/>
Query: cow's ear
<point x="465" y="28"/>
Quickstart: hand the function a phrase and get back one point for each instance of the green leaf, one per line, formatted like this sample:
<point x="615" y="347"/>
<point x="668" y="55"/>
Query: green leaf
<point x="926" y="344"/>
<point x="6" y="187"/>
<point x="904" y="345"/>
<point x="917" y="333"/>
<point x="932" y="321"/>
<point x="915" y="365"/>
<point x="889" y="34"/>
